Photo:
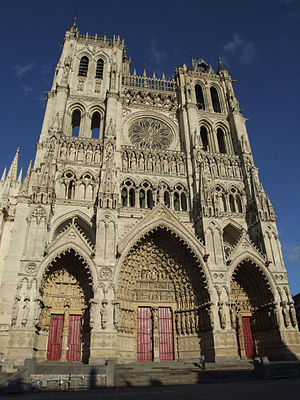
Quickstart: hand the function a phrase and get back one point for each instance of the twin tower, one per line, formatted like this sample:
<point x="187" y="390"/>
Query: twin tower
<point x="141" y="231"/>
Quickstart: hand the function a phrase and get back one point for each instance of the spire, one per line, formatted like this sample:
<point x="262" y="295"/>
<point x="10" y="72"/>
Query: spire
<point x="73" y="28"/>
<point x="13" y="170"/>
<point x="3" y="176"/>
<point x="25" y="184"/>
<point x="74" y="23"/>
<point x="20" y="176"/>
<point x="222" y="67"/>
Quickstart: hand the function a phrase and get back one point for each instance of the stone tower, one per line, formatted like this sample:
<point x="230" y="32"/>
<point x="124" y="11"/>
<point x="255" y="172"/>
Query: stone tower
<point x="141" y="231"/>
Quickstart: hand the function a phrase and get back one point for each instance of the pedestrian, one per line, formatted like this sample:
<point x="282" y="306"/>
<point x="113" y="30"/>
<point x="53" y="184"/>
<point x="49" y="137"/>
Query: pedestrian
<point x="202" y="361"/>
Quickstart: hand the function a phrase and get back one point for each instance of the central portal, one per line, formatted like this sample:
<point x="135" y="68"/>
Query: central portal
<point x="162" y="301"/>
<point x="148" y="332"/>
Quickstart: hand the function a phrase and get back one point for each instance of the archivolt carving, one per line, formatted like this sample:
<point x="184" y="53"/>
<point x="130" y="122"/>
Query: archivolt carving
<point x="161" y="270"/>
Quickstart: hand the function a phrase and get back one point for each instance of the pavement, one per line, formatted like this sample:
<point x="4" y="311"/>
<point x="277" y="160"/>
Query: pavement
<point x="283" y="389"/>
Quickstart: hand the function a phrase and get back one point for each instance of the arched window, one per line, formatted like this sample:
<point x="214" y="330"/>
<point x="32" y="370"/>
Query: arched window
<point x="167" y="199"/>
<point x="128" y="194"/>
<point x="71" y="190"/>
<point x="183" y="202"/>
<point x="99" y="69"/>
<point x="199" y="97"/>
<point x="176" y="201"/>
<point x="224" y="203"/>
<point x="124" y="197"/>
<point x="231" y="203"/>
<point x="239" y="203"/>
<point x="221" y="141"/>
<point x="204" y="138"/>
<point x="215" y="99"/>
<point x="95" y="125"/>
<point x="83" y="66"/>
<point x="142" y="199"/>
<point x="132" y="197"/>
<point x="149" y="199"/>
<point x="76" y="117"/>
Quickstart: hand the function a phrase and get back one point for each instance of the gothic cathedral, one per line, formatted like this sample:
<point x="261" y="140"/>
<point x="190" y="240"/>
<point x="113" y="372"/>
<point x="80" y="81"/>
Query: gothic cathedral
<point x="141" y="231"/>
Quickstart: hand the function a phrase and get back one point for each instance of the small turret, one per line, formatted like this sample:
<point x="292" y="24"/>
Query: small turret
<point x="222" y="68"/>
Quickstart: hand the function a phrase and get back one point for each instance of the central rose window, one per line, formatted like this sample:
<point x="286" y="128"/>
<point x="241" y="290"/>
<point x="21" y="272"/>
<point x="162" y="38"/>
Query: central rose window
<point x="151" y="134"/>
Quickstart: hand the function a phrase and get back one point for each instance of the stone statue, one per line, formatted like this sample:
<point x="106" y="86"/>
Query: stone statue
<point x="103" y="314"/>
<point x="25" y="311"/>
<point x="222" y="316"/>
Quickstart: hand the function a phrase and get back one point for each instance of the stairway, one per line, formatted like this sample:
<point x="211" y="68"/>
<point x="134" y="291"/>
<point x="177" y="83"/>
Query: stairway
<point x="179" y="373"/>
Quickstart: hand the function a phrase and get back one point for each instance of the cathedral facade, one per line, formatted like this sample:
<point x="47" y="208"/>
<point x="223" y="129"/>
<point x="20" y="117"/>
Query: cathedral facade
<point x="141" y="231"/>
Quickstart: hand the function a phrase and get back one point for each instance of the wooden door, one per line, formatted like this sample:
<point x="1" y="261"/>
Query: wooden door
<point x="165" y="328"/>
<point x="144" y="334"/>
<point x="55" y="337"/>
<point x="74" y="338"/>
<point x="248" y="338"/>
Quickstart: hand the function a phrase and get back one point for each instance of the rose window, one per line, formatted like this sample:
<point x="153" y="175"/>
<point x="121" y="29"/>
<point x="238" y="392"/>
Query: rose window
<point x="150" y="133"/>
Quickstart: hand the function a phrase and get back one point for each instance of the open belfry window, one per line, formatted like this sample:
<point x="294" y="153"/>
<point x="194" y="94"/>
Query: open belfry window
<point x="99" y="69"/>
<point x="83" y="66"/>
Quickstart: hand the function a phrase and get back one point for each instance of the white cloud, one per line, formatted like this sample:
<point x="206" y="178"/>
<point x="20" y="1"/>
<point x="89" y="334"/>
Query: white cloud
<point x="157" y="56"/>
<point x="240" y="48"/>
<point x="21" y="70"/>
<point x="294" y="253"/>
<point x="27" y="90"/>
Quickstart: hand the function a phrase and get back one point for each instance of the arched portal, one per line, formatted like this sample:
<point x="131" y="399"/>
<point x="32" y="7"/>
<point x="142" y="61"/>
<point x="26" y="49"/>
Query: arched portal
<point x="255" y="315"/>
<point x="163" y="301"/>
<point x="64" y="320"/>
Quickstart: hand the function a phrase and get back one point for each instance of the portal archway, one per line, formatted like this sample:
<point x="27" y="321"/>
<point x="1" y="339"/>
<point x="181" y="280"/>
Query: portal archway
<point x="163" y="301"/>
<point x="255" y="314"/>
<point x="64" y="321"/>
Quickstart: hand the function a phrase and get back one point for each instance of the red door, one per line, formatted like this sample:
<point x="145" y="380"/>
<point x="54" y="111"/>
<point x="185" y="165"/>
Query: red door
<point x="74" y="338"/>
<point x="248" y="338"/>
<point x="165" y="328"/>
<point x="55" y="337"/>
<point x="144" y="334"/>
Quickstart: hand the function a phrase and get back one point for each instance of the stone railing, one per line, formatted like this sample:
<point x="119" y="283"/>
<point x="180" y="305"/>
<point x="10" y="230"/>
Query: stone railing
<point x="150" y="83"/>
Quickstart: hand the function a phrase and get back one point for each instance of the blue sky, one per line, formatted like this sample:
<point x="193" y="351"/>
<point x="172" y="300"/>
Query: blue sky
<point x="258" y="41"/>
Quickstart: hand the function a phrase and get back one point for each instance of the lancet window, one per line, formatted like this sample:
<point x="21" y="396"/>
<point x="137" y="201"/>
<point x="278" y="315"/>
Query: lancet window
<point x="76" y="118"/>
<point x="215" y="99"/>
<point x="99" y="69"/>
<point x="95" y="125"/>
<point x="83" y="66"/>
<point x="199" y="97"/>
<point x="204" y="138"/>
<point x="221" y="140"/>
<point x="68" y="185"/>
<point x="128" y="194"/>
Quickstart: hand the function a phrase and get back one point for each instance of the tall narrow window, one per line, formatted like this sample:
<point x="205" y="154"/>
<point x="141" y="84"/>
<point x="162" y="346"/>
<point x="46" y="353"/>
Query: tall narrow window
<point x="238" y="203"/>
<point x="176" y="201"/>
<point x="204" y="138"/>
<point x="183" y="202"/>
<point x="76" y="117"/>
<point x="231" y="203"/>
<point x="149" y="199"/>
<point x="167" y="199"/>
<point x="215" y="99"/>
<point x="221" y="141"/>
<point x="99" y="69"/>
<point x="199" y="97"/>
<point x="71" y="190"/>
<point x="83" y="66"/>
<point x="124" y="196"/>
<point x="95" y="125"/>
<point x="142" y="199"/>
<point x="132" y="197"/>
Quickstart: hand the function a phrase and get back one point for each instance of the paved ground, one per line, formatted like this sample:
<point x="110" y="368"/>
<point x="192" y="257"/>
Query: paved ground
<point x="283" y="389"/>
